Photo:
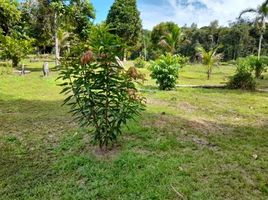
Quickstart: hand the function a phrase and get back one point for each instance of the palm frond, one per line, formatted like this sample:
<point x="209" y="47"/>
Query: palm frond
<point x="265" y="3"/>
<point x="249" y="10"/>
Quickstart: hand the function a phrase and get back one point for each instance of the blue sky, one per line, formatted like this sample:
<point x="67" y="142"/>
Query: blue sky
<point x="182" y="12"/>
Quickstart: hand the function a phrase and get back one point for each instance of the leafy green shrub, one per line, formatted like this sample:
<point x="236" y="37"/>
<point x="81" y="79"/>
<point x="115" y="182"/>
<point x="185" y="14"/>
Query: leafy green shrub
<point x="166" y="71"/>
<point x="139" y="62"/>
<point x="257" y="65"/>
<point x="5" y="68"/>
<point x="101" y="93"/>
<point x="243" y="79"/>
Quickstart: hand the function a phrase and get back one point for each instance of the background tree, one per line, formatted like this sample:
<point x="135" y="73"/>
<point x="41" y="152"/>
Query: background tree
<point x="237" y="41"/>
<point x="124" y="21"/>
<point x="57" y="7"/>
<point x="80" y="13"/>
<point x="57" y="23"/>
<point x="165" y="36"/>
<point x="170" y="40"/>
<point x="260" y="20"/>
<point x="9" y="15"/>
<point x="14" y="48"/>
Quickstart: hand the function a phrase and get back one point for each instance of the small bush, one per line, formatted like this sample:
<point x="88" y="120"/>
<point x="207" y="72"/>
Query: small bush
<point x="102" y="95"/>
<point x="243" y="79"/>
<point x="166" y="71"/>
<point x="5" y="68"/>
<point x="139" y="62"/>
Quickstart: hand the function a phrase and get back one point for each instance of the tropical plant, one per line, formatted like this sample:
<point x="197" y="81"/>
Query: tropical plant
<point x="209" y="58"/>
<point x="166" y="36"/>
<point x="260" y="20"/>
<point x="101" y="93"/>
<point x="170" y="40"/>
<point x="166" y="71"/>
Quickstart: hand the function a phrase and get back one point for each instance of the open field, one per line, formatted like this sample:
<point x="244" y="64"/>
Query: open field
<point x="188" y="144"/>
<point x="195" y="74"/>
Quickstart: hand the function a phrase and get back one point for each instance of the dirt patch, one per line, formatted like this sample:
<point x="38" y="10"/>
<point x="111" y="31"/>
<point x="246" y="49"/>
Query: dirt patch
<point x="142" y="151"/>
<point x="106" y="153"/>
<point x="160" y="121"/>
<point x="157" y="102"/>
<point x="203" y="142"/>
<point x="185" y="106"/>
<point x="175" y="123"/>
<point x="206" y="127"/>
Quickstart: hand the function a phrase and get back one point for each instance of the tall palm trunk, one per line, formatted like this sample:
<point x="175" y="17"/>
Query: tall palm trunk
<point x="57" y="50"/>
<point x="260" y="44"/>
<point x="263" y="28"/>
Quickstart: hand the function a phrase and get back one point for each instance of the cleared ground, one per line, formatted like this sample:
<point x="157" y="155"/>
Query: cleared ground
<point x="188" y="144"/>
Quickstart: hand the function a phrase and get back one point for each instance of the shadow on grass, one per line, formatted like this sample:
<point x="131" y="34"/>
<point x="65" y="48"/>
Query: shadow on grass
<point x="32" y="131"/>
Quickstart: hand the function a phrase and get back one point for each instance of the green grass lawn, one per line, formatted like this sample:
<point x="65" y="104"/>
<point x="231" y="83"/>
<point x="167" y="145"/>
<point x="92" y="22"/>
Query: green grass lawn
<point x="195" y="74"/>
<point x="188" y="144"/>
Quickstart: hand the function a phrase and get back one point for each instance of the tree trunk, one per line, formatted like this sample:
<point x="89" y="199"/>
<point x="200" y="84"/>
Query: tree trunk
<point x="260" y="43"/>
<point x="57" y="50"/>
<point x="209" y="74"/>
<point x="15" y="62"/>
<point x="125" y="55"/>
<point x="145" y="49"/>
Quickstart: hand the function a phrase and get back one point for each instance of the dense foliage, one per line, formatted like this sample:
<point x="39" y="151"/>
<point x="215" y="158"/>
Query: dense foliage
<point x="9" y="15"/>
<point x="124" y="21"/>
<point x="165" y="37"/>
<point x="101" y="93"/>
<point x="239" y="39"/>
<point x="166" y="71"/>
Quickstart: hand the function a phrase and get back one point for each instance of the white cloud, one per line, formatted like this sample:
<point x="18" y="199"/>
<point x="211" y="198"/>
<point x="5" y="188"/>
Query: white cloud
<point x="173" y="10"/>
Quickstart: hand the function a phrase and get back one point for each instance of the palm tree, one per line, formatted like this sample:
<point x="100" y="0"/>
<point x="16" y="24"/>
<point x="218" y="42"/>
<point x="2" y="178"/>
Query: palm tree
<point x="170" y="40"/>
<point x="261" y="14"/>
<point x="209" y="58"/>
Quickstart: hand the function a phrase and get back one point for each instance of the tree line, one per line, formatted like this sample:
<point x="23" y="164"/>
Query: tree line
<point x="54" y="26"/>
